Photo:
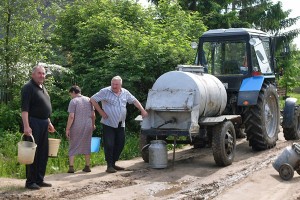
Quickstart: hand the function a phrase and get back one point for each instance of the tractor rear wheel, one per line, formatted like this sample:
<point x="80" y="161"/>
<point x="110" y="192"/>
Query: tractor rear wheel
<point x="262" y="120"/>
<point x="223" y="143"/>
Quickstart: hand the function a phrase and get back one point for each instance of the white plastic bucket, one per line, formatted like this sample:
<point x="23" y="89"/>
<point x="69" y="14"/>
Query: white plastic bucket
<point x="53" y="147"/>
<point x="26" y="151"/>
<point x="95" y="144"/>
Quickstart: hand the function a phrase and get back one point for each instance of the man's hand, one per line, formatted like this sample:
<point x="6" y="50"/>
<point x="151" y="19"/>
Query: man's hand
<point x="68" y="134"/>
<point x="144" y="113"/>
<point x="51" y="128"/>
<point x="27" y="131"/>
<point x="103" y="114"/>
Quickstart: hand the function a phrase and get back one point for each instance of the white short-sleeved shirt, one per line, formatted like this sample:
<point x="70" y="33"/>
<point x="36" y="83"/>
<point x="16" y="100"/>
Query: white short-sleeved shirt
<point x="113" y="105"/>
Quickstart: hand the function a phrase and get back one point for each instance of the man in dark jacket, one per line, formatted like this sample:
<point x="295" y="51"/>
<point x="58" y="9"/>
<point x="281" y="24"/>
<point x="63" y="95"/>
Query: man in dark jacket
<point x="36" y="110"/>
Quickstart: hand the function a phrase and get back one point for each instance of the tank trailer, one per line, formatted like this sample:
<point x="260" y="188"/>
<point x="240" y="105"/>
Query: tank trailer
<point x="229" y="93"/>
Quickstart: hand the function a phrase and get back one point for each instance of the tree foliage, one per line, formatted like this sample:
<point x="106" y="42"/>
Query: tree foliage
<point x="21" y="41"/>
<point x="290" y="66"/>
<point x="106" y="38"/>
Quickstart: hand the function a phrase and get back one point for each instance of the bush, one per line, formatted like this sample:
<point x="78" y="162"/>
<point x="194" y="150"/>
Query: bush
<point x="10" y="118"/>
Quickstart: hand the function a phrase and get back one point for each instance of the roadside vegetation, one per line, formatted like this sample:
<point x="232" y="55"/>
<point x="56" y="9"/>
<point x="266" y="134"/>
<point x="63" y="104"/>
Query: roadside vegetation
<point x="9" y="166"/>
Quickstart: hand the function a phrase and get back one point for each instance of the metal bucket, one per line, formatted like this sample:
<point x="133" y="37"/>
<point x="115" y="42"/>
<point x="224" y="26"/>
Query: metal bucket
<point x="53" y="147"/>
<point x="95" y="144"/>
<point x="158" y="156"/>
<point x="26" y="151"/>
<point x="288" y="156"/>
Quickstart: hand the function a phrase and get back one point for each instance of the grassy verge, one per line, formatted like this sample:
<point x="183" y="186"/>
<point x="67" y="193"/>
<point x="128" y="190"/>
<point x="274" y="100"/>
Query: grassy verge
<point x="9" y="166"/>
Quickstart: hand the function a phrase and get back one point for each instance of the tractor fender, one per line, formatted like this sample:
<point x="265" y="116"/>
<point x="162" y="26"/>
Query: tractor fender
<point x="249" y="90"/>
<point x="289" y="113"/>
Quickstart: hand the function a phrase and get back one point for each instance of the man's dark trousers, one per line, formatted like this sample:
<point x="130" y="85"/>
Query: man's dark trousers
<point x="36" y="171"/>
<point x="113" y="141"/>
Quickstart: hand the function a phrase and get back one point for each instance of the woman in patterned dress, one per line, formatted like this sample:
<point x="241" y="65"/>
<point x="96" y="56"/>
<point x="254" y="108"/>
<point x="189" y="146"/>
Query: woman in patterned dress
<point x="80" y="126"/>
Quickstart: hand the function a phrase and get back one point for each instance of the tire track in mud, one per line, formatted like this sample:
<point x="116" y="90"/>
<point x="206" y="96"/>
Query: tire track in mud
<point x="67" y="192"/>
<point x="211" y="190"/>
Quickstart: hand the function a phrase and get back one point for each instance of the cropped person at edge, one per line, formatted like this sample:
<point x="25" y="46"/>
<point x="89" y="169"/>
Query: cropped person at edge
<point x="113" y="112"/>
<point x="36" y="109"/>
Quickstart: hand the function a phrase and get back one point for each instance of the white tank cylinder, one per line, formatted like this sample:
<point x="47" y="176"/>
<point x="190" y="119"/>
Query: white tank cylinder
<point x="210" y="94"/>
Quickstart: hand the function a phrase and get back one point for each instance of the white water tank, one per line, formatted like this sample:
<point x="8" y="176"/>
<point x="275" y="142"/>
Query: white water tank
<point x="184" y="96"/>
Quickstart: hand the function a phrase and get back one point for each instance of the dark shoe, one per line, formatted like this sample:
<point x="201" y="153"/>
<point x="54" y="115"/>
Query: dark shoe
<point x="44" y="184"/>
<point x="87" y="169"/>
<point x="111" y="170"/>
<point x="71" y="169"/>
<point x="32" y="186"/>
<point x="118" y="168"/>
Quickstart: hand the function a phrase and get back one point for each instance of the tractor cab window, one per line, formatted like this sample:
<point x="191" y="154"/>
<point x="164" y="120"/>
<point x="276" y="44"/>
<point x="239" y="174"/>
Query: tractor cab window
<point x="260" y="51"/>
<point x="225" y="57"/>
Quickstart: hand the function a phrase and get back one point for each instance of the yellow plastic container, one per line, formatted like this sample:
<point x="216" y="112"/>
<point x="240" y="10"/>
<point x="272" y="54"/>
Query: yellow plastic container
<point x="26" y="151"/>
<point x="53" y="147"/>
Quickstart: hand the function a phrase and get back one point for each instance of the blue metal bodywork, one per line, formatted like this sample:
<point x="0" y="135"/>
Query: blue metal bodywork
<point x="249" y="90"/>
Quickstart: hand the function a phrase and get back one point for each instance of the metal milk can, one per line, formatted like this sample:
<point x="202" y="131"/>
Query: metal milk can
<point x="288" y="161"/>
<point x="158" y="156"/>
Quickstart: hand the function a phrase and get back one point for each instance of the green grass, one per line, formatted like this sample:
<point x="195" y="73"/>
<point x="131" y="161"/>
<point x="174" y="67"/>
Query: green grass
<point x="295" y="95"/>
<point x="9" y="166"/>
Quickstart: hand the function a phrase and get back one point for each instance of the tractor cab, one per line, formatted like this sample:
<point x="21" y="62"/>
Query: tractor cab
<point x="235" y="54"/>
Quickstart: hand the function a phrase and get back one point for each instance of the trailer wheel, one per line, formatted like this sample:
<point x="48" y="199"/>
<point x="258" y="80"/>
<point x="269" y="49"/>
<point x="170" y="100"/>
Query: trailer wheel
<point x="262" y="120"/>
<point x="286" y="171"/>
<point x="223" y="143"/>
<point x="145" y="153"/>
<point x="143" y="146"/>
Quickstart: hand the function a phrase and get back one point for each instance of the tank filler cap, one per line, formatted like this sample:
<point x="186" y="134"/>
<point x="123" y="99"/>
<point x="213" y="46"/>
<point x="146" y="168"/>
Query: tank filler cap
<point x="198" y="69"/>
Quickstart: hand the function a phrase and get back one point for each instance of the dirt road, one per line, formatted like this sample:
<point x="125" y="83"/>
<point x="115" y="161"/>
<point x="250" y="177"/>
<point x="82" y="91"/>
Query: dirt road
<point x="193" y="176"/>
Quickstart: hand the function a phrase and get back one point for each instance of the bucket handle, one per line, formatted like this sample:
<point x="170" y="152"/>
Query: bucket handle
<point x="56" y="134"/>
<point x="30" y="136"/>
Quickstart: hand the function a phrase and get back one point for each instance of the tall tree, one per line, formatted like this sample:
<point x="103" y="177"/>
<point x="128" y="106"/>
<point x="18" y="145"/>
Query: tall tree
<point x="21" y="42"/>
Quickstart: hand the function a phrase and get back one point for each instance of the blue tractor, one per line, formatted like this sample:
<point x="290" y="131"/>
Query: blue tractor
<point x="244" y="61"/>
